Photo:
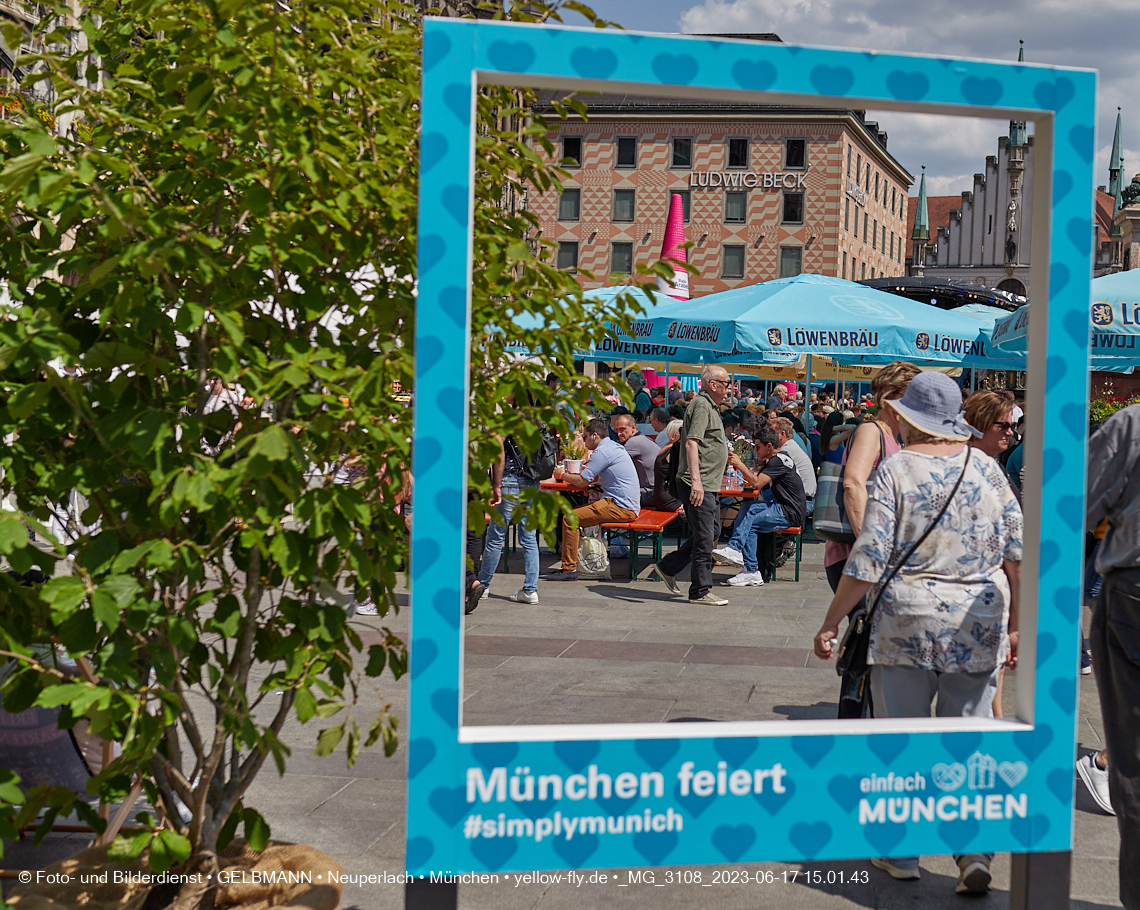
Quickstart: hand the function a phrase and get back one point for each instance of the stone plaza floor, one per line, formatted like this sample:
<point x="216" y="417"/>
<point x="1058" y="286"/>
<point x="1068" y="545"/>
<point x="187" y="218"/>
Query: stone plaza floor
<point x="617" y="652"/>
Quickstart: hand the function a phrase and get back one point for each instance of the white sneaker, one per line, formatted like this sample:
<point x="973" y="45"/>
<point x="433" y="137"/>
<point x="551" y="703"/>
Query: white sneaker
<point x="902" y="873"/>
<point x="486" y="593"/>
<point x="746" y="579"/>
<point x="368" y="608"/>
<point x="1096" y="779"/>
<point x="523" y="597"/>
<point x="729" y="555"/>
<point x="973" y="874"/>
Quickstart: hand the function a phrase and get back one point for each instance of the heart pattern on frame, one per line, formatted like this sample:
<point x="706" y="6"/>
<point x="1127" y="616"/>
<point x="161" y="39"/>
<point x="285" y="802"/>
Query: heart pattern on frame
<point x="830" y="770"/>
<point x="1012" y="772"/>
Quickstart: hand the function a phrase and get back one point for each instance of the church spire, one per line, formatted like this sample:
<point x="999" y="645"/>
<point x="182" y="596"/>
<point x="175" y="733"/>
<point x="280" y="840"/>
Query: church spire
<point x="1116" y="164"/>
<point x="1017" y="129"/>
<point x="921" y="217"/>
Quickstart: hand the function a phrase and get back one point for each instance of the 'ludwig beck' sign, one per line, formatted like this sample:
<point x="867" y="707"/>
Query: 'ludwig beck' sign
<point x="770" y="181"/>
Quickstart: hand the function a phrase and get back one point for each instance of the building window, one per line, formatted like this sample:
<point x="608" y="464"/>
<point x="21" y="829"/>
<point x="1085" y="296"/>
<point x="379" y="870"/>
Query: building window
<point x="626" y="151"/>
<point x="844" y="265"/>
<point x="863" y="273"/>
<point x="874" y="234"/>
<point x="876" y="187"/>
<point x="570" y="205"/>
<point x="682" y="151"/>
<point x="735" y="207"/>
<point x="623" y="205"/>
<point x="892" y="244"/>
<point x="568" y="254"/>
<point x="793" y="208"/>
<point x="855" y="232"/>
<point x="866" y="217"/>
<point x="867" y="185"/>
<point x="893" y="198"/>
<point x="733" y="262"/>
<point x="849" y="160"/>
<point x="686" y="198"/>
<point x="854" y="267"/>
<point x="738" y="153"/>
<point x="572" y="151"/>
<point x="621" y="258"/>
<point x="795" y="153"/>
<point x="791" y="261"/>
<point x="847" y="215"/>
<point x="858" y="168"/>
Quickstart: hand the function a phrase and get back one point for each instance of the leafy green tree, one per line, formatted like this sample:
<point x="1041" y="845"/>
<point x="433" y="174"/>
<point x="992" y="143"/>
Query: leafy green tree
<point x="234" y="213"/>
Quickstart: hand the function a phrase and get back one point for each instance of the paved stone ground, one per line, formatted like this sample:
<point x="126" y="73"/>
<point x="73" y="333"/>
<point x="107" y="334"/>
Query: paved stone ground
<point x="620" y="652"/>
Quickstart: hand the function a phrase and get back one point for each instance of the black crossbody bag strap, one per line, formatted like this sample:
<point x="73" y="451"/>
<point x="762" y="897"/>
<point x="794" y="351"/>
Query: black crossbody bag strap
<point x="863" y="618"/>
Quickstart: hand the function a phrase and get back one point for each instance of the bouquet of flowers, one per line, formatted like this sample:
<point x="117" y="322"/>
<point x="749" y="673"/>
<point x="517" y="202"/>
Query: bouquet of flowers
<point x="745" y="449"/>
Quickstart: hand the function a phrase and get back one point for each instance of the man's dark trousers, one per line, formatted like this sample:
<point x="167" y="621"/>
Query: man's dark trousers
<point x="1115" y="640"/>
<point x="704" y="529"/>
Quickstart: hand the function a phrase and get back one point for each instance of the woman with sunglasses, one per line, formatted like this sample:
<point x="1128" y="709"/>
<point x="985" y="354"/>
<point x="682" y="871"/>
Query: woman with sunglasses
<point x="992" y="414"/>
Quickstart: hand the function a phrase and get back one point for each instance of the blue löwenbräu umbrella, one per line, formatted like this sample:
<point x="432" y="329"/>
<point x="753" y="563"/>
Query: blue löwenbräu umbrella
<point x="1114" y="320"/>
<point x="620" y="345"/>
<point x="819" y="315"/>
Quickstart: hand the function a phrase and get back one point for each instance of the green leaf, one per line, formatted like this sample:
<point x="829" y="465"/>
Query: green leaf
<point x="28" y="399"/>
<point x="10" y="791"/>
<point x="126" y="848"/>
<point x="272" y="443"/>
<point x="105" y="609"/>
<point x="353" y="744"/>
<point x="305" y="705"/>
<point x="377" y="657"/>
<point x="13" y="533"/>
<point x="168" y="848"/>
<point x="256" y="829"/>
<point x="328" y="740"/>
<point x="200" y="493"/>
<point x="64" y="595"/>
<point x="229" y="829"/>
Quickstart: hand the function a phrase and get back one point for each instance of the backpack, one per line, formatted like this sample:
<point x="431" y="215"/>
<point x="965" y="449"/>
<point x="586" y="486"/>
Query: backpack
<point x="539" y="466"/>
<point x="674" y="465"/>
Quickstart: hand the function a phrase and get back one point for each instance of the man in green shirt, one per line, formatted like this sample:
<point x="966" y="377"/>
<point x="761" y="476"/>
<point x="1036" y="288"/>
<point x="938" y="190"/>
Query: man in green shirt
<point x="702" y="460"/>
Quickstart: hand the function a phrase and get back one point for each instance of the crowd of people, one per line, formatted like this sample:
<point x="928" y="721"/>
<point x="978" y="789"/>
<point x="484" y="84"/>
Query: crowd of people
<point x="931" y="489"/>
<point x="946" y="622"/>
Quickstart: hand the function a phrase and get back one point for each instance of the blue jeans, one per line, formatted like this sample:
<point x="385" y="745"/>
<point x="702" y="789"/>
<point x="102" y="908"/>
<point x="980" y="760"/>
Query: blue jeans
<point x="497" y="535"/>
<point x="761" y="516"/>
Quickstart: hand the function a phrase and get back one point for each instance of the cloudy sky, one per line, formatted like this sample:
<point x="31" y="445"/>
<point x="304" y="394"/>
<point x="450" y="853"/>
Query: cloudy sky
<point x="1098" y="36"/>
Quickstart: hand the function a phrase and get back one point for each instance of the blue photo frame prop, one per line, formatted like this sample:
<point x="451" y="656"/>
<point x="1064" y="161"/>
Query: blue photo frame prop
<point x="704" y="792"/>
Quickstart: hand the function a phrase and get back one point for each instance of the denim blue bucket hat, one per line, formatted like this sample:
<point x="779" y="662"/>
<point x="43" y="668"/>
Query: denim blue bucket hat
<point x="933" y="404"/>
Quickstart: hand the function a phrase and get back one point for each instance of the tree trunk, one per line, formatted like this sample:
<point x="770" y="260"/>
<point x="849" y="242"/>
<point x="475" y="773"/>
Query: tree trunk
<point x="197" y="895"/>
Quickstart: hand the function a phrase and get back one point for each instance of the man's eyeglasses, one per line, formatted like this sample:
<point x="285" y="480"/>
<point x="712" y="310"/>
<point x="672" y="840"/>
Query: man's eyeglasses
<point x="723" y="383"/>
<point x="1003" y="425"/>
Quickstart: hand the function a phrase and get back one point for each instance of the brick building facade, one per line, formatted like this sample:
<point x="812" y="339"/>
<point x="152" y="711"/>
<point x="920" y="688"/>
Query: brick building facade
<point x="769" y="192"/>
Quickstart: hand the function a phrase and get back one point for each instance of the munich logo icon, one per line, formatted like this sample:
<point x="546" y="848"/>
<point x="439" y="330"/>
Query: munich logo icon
<point x="922" y="341"/>
<point x="672" y="330"/>
<point x="775" y="338"/>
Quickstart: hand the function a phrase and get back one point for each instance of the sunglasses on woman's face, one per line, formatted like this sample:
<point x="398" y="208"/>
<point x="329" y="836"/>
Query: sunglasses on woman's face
<point x="1006" y="427"/>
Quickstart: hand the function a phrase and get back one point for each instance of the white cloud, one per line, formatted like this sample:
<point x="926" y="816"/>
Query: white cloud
<point x="954" y="149"/>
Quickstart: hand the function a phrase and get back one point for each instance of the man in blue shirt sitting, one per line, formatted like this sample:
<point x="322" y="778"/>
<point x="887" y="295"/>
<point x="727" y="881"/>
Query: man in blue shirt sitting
<point x="611" y="466"/>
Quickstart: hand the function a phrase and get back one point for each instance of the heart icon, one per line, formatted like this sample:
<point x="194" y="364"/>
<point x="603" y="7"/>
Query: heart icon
<point x="1012" y="772"/>
<point x="948" y="777"/>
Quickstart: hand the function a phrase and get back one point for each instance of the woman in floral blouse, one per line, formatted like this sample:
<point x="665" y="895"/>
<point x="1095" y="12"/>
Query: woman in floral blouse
<point x="948" y="619"/>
